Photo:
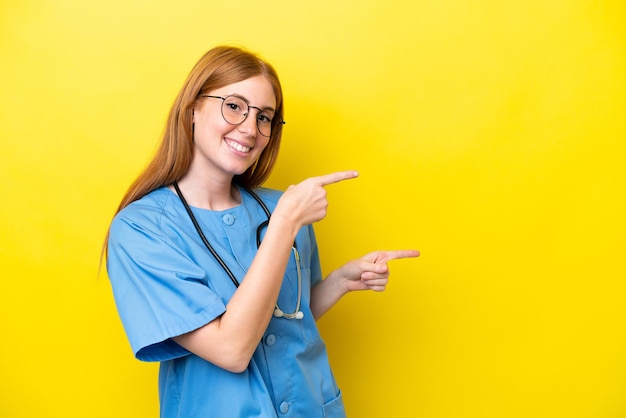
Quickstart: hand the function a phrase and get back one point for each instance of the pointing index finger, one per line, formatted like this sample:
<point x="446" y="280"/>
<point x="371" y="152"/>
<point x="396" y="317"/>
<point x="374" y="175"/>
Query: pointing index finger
<point x="336" y="177"/>
<point x="394" y="255"/>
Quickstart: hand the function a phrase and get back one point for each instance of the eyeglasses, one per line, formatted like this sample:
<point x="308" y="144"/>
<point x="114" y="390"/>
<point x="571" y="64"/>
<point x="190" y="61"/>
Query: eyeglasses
<point x="235" y="110"/>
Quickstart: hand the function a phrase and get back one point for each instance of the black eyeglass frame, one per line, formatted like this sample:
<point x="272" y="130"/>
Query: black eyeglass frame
<point x="223" y="99"/>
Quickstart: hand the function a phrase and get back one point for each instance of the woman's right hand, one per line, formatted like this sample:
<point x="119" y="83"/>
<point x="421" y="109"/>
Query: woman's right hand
<point x="306" y="202"/>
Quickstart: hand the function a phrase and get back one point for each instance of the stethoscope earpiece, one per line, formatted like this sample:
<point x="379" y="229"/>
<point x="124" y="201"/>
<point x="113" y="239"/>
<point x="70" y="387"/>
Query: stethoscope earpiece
<point x="278" y="313"/>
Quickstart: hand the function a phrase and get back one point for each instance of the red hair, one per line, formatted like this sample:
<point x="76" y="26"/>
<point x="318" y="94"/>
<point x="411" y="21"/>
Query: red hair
<point x="219" y="67"/>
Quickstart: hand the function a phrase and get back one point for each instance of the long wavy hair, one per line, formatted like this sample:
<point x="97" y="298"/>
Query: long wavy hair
<point x="219" y="67"/>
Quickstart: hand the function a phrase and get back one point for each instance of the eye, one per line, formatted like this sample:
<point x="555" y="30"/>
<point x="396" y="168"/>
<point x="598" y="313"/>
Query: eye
<point x="235" y="105"/>
<point x="264" y="118"/>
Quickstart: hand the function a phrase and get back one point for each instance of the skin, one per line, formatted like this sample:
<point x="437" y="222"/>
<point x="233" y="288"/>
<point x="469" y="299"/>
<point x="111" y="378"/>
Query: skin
<point x="230" y="340"/>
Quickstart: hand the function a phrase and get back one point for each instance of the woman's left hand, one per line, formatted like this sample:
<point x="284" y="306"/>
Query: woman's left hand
<point x="371" y="271"/>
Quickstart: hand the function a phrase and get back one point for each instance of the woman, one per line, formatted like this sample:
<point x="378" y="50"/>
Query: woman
<point x="205" y="282"/>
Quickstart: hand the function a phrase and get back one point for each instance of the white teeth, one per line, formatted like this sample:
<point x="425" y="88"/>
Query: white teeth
<point x="238" y="147"/>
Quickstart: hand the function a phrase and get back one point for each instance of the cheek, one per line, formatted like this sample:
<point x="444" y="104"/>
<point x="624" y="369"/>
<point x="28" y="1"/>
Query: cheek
<point x="262" y="143"/>
<point x="210" y="124"/>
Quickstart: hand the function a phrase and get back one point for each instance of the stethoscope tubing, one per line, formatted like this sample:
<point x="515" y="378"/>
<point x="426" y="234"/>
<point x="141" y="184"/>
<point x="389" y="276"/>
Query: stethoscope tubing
<point x="203" y="237"/>
<point x="277" y="312"/>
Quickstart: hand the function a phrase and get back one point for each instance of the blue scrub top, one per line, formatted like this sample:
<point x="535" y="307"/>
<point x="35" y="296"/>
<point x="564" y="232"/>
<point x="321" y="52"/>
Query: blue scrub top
<point x="166" y="283"/>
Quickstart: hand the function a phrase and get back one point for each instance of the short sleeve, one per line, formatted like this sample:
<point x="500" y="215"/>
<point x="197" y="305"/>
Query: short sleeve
<point x="159" y="291"/>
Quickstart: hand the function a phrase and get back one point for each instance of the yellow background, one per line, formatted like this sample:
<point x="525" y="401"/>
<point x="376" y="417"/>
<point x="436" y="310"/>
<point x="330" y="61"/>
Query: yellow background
<point x="489" y="135"/>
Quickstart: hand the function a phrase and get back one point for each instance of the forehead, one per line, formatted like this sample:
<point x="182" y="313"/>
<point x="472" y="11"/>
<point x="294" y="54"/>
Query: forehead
<point x="258" y="91"/>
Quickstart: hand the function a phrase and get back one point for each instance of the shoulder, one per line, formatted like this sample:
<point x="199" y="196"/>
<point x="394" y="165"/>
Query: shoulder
<point x="144" y="214"/>
<point x="269" y="197"/>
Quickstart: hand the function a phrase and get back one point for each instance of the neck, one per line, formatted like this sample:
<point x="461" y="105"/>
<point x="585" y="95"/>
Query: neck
<point x="209" y="194"/>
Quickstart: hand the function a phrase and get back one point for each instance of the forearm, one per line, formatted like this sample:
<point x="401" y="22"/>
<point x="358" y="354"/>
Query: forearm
<point x="230" y="340"/>
<point x="326" y="293"/>
<point x="250" y="309"/>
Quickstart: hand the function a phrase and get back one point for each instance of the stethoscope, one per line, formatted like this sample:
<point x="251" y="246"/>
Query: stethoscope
<point x="297" y="314"/>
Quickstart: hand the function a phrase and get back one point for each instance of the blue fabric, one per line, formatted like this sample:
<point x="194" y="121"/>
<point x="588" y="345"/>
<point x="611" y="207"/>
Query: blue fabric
<point x="166" y="283"/>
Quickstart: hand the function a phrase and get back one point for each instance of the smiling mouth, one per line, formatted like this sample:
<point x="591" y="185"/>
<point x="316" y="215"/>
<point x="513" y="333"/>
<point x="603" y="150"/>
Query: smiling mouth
<point x="238" y="147"/>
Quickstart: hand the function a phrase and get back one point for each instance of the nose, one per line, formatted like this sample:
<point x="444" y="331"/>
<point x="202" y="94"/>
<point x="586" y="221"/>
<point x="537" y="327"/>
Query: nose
<point x="248" y="126"/>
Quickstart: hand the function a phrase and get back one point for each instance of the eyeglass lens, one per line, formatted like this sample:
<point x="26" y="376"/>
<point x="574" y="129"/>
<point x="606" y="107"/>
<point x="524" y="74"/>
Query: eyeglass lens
<point x="235" y="110"/>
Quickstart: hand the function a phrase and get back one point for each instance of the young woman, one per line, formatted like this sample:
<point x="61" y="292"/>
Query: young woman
<point x="218" y="278"/>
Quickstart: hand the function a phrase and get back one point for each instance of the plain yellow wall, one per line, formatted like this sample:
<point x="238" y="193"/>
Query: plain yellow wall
<point x="489" y="134"/>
